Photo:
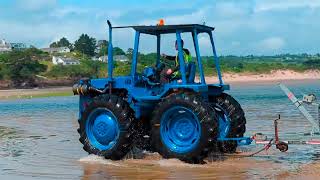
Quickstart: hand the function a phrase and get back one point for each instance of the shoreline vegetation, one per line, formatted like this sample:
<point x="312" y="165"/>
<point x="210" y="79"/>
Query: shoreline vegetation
<point x="229" y="78"/>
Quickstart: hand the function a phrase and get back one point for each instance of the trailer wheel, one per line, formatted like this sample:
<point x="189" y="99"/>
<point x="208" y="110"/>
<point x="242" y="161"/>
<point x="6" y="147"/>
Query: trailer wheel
<point x="183" y="127"/>
<point x="282" y="146"/>
<point x="229" y="109"/>
<point x="105" y="127"/>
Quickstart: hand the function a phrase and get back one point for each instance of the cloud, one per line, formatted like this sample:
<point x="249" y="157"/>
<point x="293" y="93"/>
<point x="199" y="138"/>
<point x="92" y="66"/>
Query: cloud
<point x="277" y="5"/>
<point x="235" y="43"/>
<point x="204" y="42"/>
<point x="33" y="5"/>
<point x="197" y="16"/>
<point x="272" y="44"/>
<point x="66" y="11"/>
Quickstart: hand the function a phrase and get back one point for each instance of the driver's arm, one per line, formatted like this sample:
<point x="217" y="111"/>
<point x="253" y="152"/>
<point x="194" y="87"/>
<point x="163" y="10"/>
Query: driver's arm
<point x="176" y="68"/>
<point x="171" y="58"/>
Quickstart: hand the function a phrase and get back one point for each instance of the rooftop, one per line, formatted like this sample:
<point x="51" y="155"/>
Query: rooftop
<point x="69" y="60"/>
<point x="54" y="48"/>
<point x="167" y="29"/>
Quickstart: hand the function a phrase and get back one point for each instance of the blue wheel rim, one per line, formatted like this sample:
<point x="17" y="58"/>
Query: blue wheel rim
<point x="180" y="129"/>
<point x="102" y="129"/>
<point x="224" y="122"/>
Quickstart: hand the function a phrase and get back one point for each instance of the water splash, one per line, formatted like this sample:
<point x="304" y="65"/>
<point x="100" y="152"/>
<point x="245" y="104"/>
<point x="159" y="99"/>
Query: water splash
<point x="93" y="159"/>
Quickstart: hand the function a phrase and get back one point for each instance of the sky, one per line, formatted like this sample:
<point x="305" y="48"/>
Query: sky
<point x="243" y="27"/>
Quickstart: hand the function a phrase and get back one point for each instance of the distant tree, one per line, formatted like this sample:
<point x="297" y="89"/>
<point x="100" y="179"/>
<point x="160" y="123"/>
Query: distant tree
<point x="3" y="69"/>
<point x="129" y="53"/>
<point x="103" y="45"/>
<point x="53" y="45"/>
<point x="312" y="63"/>
<point x="118" y="51"/>
<point x="21" y="69"/>
<point x="85" y="45"/>
<point x="63" y="42"/>
<point x="103" y="51"/>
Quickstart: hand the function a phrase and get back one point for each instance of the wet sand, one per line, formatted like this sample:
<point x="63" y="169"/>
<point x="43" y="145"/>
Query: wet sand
<point x="154" y="167"/>
<point x="309" y="171"/>
<point x="157" y="168"/>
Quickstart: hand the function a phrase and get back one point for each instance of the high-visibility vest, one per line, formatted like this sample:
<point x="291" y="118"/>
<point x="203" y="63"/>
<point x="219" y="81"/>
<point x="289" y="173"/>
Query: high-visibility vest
<point x="187" y="59"/>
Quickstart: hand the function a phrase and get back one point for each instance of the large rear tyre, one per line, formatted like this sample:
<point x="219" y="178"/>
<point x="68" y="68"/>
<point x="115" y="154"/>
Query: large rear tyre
<point x="183" y="127"/>
<point x="105" y="127"/>
<point x="228" y="108"/>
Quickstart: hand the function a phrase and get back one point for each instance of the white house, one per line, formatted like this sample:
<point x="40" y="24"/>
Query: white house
<point x="119" y="58"/>
<point x="94" y="58"/>
<point x="103" y="58"/>
<point x="5" y="46"/>
<point x="18" y="46"/>
<point x="56" y="50"/>
<point x="64" y="61"/>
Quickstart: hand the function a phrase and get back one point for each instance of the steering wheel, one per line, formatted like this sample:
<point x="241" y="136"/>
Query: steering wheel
<point x="151" y="75"/>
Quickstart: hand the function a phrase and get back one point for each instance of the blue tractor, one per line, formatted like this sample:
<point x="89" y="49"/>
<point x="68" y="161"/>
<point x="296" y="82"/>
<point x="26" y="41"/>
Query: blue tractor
<point x="178" y="118"/>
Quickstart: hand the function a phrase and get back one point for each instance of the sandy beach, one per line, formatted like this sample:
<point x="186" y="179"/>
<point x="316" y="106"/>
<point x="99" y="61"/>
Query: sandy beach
<point x="274" y="76"/>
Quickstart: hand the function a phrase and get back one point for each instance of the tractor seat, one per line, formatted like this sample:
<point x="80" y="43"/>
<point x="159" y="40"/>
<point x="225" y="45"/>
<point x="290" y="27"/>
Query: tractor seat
<point x="191" y="72"/>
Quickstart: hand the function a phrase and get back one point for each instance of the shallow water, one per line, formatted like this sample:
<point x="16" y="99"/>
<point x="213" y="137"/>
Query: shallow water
<point x="38" y="140"/>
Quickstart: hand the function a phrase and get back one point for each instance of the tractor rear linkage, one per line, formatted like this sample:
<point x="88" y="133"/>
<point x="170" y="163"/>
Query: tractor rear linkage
<point x="259" y="138"/>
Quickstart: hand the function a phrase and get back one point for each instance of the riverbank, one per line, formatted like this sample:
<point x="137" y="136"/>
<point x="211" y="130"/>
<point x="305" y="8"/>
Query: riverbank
<point x="35" y="93"/>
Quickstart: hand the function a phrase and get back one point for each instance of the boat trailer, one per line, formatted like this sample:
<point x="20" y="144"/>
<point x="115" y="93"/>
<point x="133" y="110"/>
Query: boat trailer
<point x="308" y="100"/>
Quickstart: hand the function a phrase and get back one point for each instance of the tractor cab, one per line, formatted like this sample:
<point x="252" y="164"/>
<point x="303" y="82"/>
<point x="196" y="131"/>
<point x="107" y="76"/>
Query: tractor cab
<point x="151" y="77"/>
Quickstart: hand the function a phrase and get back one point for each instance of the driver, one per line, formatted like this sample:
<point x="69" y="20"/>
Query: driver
<point x="175" y="72"/>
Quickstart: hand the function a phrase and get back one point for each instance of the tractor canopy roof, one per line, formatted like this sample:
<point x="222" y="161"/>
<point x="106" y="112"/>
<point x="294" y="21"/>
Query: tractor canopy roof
<point x="168" y="29"/>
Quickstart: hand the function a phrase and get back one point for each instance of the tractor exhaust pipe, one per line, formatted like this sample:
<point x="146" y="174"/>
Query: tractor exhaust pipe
<point x="110" y="58"/>
<point x="85" y="89"/>
<point x="110" y="52"/>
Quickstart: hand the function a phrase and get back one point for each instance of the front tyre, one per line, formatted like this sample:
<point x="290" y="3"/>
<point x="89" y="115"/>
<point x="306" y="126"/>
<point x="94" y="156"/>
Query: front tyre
<point x="183" y="127"/>
<point x="105" y="127"/>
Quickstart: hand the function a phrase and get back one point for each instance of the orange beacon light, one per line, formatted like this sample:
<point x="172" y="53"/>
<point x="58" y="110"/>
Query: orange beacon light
<point x="161" y="22"/>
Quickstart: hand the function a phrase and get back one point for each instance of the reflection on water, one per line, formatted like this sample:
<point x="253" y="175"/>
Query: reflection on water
<point x="38" y="139"/>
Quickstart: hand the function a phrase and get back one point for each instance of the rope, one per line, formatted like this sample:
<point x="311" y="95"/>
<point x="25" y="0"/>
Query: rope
<point x="265" y="148"/>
